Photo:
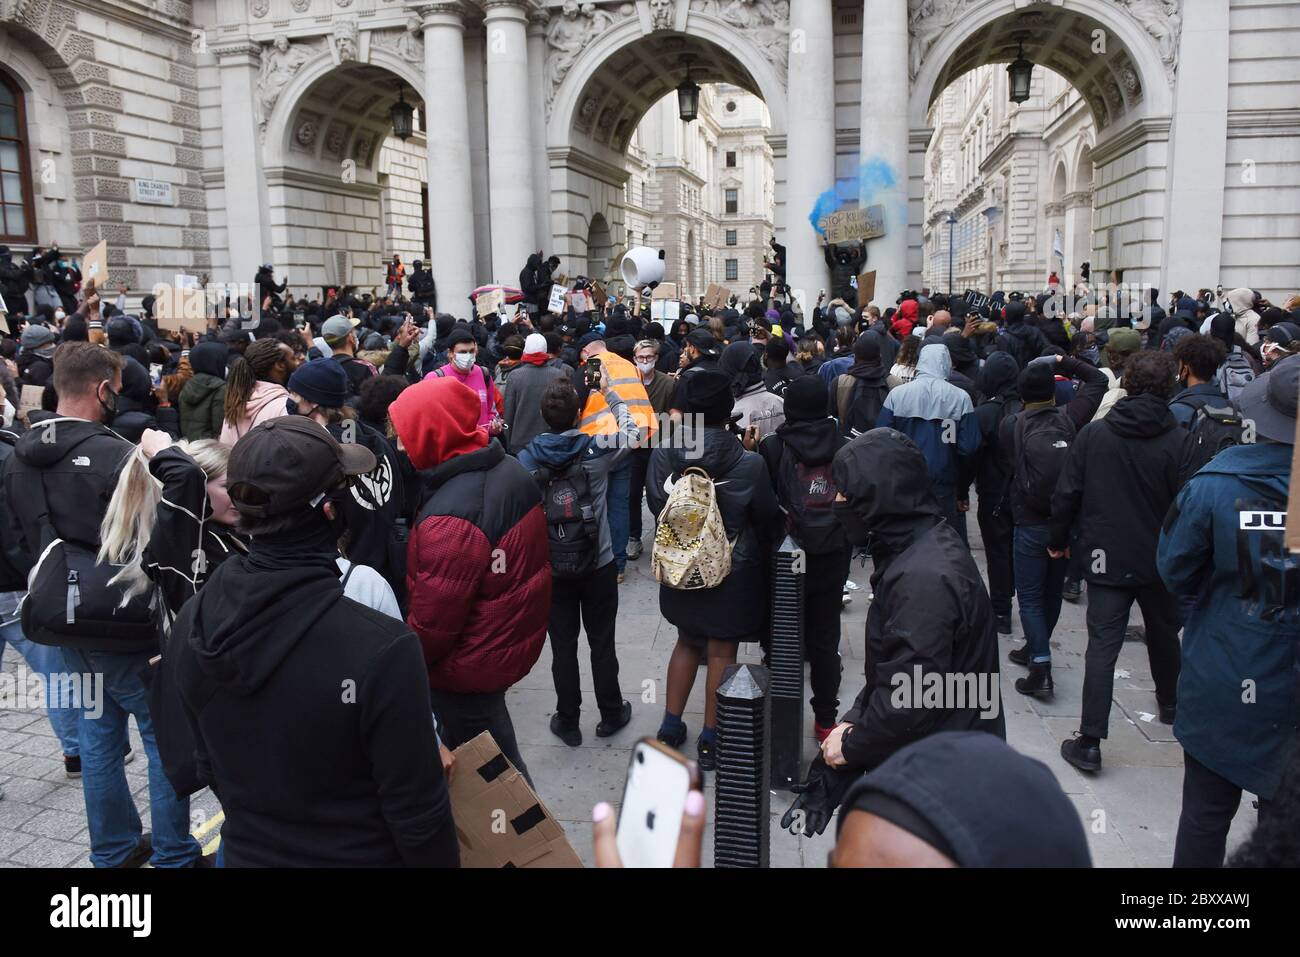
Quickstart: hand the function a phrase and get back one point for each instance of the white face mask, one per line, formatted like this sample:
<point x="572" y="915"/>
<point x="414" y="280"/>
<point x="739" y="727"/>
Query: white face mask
<point x="59" y="315"/>
<point x="464" y="361"/>
<point x="645" y="367"/>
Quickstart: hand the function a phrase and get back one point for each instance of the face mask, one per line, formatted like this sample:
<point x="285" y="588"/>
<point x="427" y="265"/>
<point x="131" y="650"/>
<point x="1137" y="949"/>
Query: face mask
<point x="110" y="405"/>
<point x="855" y="530"/>
<point x="291" y="406"/>
<point x="645" y="367"/>
<point x="59" y="315"/>
<point x="464" y="361"/>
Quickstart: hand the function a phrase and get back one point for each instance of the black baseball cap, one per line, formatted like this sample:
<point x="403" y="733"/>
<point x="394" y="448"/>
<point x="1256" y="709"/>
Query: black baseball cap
<point x="282" y="465"/>
<point x="701" y="338"/>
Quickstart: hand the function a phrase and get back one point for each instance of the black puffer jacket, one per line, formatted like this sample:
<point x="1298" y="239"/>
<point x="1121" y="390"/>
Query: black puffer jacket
<point x="1122" y="474"/>
<point x="752" y="516"/>
<point x="931" y="610"/>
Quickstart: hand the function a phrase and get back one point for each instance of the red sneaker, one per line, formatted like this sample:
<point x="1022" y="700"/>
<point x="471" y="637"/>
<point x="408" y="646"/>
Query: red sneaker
<point x="822" y="733"/>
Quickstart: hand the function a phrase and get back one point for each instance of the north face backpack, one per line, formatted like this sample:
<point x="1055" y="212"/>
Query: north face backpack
<point x="571" y="526"/>
<point x="1234" y="375"/>
<point x="808" y="492"/>
<point x="1213" y="429"/>
<point x="1042" y="444"/>
<point x="691" y="548"/>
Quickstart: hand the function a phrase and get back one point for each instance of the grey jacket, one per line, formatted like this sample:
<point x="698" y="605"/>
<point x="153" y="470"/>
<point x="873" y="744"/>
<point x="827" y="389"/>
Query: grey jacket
<point x="523" y="398"/>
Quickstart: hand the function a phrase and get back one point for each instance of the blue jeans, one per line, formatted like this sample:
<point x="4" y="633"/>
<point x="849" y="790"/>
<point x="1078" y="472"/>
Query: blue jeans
<point x="617" y="507"/>
<point x="115" y="827"/>
<point x="1039" y="582"/>
<point x="44" y="660"/>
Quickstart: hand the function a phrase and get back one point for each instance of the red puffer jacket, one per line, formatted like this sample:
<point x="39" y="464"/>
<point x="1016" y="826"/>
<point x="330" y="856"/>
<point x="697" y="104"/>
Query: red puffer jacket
<point x="479" y="572"/>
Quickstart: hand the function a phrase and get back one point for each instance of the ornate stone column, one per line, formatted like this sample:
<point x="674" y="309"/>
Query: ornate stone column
<point x="451" y="204"/>
<point x="537" y="21"/>
<point x="248" y="227"/>
<point x="510" y="137"/>
<point x="810" y="145"/>
<point x="883" y="151"/>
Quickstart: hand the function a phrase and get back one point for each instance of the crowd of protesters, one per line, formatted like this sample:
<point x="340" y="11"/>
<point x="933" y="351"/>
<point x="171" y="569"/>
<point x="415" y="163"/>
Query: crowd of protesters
<point x="356" y="491"/>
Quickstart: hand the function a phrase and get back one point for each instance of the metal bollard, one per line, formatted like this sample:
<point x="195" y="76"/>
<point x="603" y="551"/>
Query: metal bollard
<point x="785" y="661"/>
<point x="742" y="801"/>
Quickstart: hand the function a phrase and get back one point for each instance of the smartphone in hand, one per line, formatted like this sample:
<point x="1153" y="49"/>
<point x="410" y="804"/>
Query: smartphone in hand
<point x="654" y="800"/>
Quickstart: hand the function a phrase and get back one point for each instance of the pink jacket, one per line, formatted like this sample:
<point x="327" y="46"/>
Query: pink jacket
<point x="489" y="396"/>
<point x="266" y="403"/>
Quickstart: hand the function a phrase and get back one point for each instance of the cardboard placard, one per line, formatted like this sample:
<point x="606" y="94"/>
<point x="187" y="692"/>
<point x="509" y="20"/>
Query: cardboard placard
<point x="580" y="300"/>
<point x="598" y="294"/>
<point x="665" y="310"/>
<point x="30" y="400"/>
<point x="490" y="302"/>
<point x="175" y="308"/>
<point x="556" y="303"/>
<point x="1293" y="497"/>
<point x="665" y="290"/>
<point x="486" y="785"/>
<point x="845" y="225"/>
<point x="716" y="297"/>
<point x="866" y="287"/>
<point x="94" y="266"/>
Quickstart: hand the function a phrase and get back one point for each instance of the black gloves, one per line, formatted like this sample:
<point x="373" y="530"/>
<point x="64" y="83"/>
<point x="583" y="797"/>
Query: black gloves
<point x="818" y="798"/>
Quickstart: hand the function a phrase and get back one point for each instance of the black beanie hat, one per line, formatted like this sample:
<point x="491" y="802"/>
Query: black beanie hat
<point x="1038" y="382"/>
<point x="866" y="348"/>
<point x="708" y="393"/>
<point x="806" y="399"/>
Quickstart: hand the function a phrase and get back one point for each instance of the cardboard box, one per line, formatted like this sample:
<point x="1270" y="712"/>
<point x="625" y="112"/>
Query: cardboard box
<point x="499" y="820"/>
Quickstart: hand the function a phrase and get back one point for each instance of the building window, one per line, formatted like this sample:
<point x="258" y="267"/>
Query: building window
<point x="733" y="270"/>
<point x="731" y="159"/>
<point x="733" y="201"/>
<point x="17" y="217"/>
<point x="731" y="237"/>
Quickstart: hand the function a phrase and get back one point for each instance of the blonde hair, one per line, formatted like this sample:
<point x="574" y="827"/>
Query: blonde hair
<point x="128" y="524"/>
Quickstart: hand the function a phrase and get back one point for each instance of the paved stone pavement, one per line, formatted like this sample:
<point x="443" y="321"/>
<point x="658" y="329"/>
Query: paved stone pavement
<point x="1130" y="809"/>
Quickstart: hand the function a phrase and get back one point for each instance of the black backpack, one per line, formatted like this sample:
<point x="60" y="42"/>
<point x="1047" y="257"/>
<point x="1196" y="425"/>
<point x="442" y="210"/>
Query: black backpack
<point x="1043" y="442"/>
<point x="858" y="405"/>
<point x="808" y="492"/>
<point x="571" y="526"/>
<point x="70" y="602"/>
<point x="1213" y="428"/>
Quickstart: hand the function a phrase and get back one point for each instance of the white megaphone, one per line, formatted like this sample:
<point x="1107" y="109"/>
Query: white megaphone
<point x="642" y="266"/>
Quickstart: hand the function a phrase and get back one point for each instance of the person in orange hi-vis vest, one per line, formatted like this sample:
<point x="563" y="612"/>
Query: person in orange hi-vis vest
<point x="597" y="420"/>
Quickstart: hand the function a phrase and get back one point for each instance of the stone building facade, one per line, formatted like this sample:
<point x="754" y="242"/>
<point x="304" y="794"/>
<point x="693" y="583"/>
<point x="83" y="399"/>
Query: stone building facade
<point x="208" y="136"/>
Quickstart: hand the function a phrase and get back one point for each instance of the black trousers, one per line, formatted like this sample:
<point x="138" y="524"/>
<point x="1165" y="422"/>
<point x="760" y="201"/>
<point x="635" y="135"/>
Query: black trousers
<point x="1210" y="802"/>
<point x="823" y="589"/>
<point x="594" y="600"/>
<point x="640" y="462"/>
<point x="997" y="532"/>
<point x="466" y="716"/>
<point x="1108" y="610"/>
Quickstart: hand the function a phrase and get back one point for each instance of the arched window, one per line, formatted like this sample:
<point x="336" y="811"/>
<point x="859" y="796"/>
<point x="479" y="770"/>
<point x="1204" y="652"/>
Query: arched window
<point x="17" y="217"/>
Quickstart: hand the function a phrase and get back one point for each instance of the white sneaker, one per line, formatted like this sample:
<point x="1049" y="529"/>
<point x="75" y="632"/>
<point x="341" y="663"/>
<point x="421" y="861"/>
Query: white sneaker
<point x="634" y="549"/>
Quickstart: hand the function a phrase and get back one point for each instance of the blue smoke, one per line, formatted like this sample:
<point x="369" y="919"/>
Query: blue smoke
<point x="872" y="178"/>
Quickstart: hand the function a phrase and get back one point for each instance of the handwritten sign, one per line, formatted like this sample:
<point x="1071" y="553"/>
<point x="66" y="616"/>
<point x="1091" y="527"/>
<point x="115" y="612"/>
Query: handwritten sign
<point x="844" y="225"/>
<point x="490" y="302"/>
<point x="665" y="310"/>
<point x="556" y="302"/>
<point x="94" y="267"/>
<point x="580" y="300"/>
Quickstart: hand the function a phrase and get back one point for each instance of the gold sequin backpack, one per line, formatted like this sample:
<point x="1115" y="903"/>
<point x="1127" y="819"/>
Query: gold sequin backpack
<point x="691" y="548"/>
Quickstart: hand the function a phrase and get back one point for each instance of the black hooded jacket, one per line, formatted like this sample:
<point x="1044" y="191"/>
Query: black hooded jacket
<point x="808" y="442"/>
<point x="931" y="610"/>
<point x="751" y="515"/>
<point x="1025" y="342"/>
<point x="311" y="714"/>
<point x="1122" y="474"/>
<point x="997" y="383"/>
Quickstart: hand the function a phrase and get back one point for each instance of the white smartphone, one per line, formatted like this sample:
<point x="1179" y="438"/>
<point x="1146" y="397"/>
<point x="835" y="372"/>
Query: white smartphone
<point x="654" y="799"/>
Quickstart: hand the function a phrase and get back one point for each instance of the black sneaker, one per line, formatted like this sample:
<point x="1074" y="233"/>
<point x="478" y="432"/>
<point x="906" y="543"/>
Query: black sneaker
<point x="1004" y="624"/>
<point x="705" y="754"/>
<point x="1167" y="713"/>
<point x="1072" y="592"/>
<point x="1038" y="683"/>
<point x="1019" y="656"/>
<point x="140" y="856"/>
<point x="569" y="734"/>
<point x="673" y="739"/>
<point x="1085" y="757"/>
<point x="606" y="727"/>
<point x="72" y="765"/>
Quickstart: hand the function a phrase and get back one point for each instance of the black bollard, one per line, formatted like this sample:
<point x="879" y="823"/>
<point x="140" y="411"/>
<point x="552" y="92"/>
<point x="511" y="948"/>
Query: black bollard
<point x="785" y="661"/>
<point x="742" y="801"/>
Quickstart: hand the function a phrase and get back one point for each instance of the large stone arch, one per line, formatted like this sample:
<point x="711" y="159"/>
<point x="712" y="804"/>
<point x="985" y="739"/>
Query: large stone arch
<point x="1129" y="89"/>
<point x="587" y="173"/>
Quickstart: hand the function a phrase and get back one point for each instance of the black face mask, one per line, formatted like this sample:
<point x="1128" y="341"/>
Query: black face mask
<point x="855" y="529"/>
<point x="109" y="407"/>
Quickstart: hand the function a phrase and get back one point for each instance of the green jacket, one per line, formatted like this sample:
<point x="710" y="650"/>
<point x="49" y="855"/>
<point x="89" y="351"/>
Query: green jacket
<point x="202" y="407"/>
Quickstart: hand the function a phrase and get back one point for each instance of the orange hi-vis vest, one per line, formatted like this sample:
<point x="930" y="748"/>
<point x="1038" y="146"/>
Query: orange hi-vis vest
<point x="626" y="381"/>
